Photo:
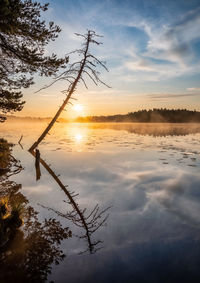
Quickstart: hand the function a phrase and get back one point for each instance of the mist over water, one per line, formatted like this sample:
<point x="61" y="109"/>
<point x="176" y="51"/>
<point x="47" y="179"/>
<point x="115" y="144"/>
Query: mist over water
<point x="148" y="176"/>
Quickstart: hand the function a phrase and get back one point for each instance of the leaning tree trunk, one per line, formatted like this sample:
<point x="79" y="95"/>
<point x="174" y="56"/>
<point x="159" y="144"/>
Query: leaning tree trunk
<point x="71" y="90"/>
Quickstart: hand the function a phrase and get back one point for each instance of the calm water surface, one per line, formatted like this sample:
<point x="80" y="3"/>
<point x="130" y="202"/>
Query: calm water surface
<point x="146" y="177"/>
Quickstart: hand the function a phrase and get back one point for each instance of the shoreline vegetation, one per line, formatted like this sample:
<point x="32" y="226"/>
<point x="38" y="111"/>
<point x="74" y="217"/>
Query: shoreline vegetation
<point x="142" y="116"/>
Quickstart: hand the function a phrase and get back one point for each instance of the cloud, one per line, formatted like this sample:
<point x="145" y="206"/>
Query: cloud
<point x="161" y="96"/>
<point x="141" y="64"/>
<point x="173" y="42"/>
<point x="179" y="197"/>
<point x="148" y="69"/>
<point x="193" y="88"/>
<point x="169" y="50"/>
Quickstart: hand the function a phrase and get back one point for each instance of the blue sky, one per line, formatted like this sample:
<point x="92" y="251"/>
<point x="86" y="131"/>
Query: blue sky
<point x="152" y="50"/>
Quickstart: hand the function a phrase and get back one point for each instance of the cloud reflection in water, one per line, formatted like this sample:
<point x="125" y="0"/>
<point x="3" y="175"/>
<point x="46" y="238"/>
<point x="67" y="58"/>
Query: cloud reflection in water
<point x="153" y="228"/>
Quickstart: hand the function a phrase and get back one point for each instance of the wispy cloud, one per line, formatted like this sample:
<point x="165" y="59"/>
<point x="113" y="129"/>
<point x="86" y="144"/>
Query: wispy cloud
<point x="173" y="41"/>
<point x="164" y="96"/>
<point x="193" y="88"/>
<point x="169" y="51"/>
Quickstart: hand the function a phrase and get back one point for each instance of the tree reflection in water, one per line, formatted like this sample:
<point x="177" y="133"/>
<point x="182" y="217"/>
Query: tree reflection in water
<point x="90" y="222"/>
<point x="26" y="254"/>
<point x="151" y="129"/>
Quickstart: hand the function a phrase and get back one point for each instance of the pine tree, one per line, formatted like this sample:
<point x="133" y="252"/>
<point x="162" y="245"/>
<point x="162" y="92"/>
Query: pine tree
<point x="23" y="38"/>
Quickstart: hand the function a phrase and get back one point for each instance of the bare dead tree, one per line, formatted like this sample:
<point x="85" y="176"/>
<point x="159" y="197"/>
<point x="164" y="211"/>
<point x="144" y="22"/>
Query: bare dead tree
<point x="76" y="72"/>
<point x="90" y="222"/>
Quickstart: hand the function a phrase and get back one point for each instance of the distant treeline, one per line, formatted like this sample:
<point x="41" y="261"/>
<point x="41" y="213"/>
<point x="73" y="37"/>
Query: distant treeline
<point x="148" y="116"/>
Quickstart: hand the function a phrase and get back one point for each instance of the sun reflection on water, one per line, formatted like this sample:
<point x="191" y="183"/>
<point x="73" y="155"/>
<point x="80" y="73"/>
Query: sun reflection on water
<point x="78" y="137"/>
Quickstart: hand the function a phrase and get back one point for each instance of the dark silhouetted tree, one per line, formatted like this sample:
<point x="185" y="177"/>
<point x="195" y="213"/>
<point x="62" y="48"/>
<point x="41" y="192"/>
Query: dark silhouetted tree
<point x="149" y="116"/>
<point x="23" y="37"/>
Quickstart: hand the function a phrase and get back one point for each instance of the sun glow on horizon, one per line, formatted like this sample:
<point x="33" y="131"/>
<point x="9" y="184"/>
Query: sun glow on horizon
<point x="78" y="108"/>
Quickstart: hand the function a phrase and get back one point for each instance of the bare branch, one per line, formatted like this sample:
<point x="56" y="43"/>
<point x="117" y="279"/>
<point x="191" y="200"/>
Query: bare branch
<point x="90" y="77"/>
<point x="84" y="82"/>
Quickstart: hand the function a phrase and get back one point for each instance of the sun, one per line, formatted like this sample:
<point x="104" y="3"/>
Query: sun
<point x="78" y="107"/>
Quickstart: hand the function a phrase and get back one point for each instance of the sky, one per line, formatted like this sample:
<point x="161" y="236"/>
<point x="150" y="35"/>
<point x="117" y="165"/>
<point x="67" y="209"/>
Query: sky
<point x="151" y="48"/>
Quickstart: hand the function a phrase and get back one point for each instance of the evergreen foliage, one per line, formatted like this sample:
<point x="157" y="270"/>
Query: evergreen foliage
<point x="162" y="115"/>
<point x="23" y="37"/>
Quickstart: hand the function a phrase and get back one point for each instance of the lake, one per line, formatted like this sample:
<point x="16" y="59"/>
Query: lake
<point x="127" y="194"/>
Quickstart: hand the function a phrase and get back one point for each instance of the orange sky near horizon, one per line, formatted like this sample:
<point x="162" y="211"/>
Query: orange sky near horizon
<point x="101" y="101"/>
